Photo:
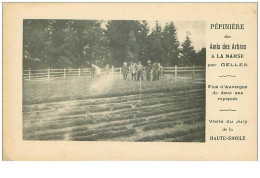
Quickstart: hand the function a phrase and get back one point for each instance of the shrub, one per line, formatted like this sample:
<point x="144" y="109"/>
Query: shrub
<point x="83" y="133"/>
<point x="44" y="136"/>
<point x="100" y="109"/>
<point x="121" y="107"/>
<point x="176" y="133"/>
<point x="81" y="122"/>
<point x="161" y="125"/>
<point x="129" y="116"/>
<point x="122" y="123"/>
<point x="140" y="124"/>
<point x="74" y="112"/>
<point x="80" y="129"/>
<point x="112" y="129"/>
<point x="87" y="138"/>
<point x="106" y="135"/>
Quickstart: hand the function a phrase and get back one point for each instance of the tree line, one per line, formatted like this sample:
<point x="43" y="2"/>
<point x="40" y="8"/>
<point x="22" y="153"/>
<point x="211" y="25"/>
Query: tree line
<point x="80" y="43"/>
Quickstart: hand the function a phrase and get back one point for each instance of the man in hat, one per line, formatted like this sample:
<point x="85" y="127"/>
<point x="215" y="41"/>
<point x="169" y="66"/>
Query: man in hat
<point x="133" y="70"/>
<point x="148" y="70"/>
<point x="125" y="70"/>
<point x="155" y="70"/>
<point x="139" y="71"/>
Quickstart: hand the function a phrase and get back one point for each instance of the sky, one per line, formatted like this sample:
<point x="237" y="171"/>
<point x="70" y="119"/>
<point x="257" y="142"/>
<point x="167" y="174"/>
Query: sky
<point x="197" y="31"/>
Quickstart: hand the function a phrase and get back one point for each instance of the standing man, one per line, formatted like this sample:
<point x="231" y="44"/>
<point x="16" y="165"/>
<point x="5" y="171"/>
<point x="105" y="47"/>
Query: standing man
<point x="148" y="70"/>
<point x="97" y="71"/>
<point x="92" y="71"/>
<point x="129" y="72"/>
<point x="155" y="71"/>
<point x="107" y="70"/>
<point x="139" y="71"/>
<point x="125" y="70"/>
<point x="133" y="71"/>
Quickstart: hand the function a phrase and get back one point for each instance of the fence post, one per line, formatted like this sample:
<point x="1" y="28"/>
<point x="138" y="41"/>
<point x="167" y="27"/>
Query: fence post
<point x="175" y="73"/>
<point x="48" y="73"/>
<point x="120" y="72"/>
<point x="193" y="72"/>
<point x="29" y="73"/>
<point x="64" y="73"/>
<point x="79" y="72"/>
<point x="140" y="85"/>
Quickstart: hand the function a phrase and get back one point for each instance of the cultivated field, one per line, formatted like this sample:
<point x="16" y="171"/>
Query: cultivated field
<point x="114" y="110"/>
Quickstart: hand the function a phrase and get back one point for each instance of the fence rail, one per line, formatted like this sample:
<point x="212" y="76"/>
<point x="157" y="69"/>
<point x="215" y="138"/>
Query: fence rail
<point x="51" y="74"/>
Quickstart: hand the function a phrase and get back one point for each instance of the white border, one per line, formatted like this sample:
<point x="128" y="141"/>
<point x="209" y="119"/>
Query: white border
<point x="127" y="169"/>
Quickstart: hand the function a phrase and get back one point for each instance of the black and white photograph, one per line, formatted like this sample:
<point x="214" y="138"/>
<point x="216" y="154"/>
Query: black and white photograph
<point x="114" y="80"/>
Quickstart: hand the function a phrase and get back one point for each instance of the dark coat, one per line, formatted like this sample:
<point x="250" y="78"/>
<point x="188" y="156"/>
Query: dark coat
<point x="149" y="68"/>
<point x="125" y="70"/>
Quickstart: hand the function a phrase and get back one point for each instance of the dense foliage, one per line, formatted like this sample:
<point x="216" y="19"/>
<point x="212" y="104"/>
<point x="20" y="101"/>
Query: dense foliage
<point x="79" y="43"/>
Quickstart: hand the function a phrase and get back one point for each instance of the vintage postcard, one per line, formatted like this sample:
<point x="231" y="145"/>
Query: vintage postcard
<point x="130" y="81"/>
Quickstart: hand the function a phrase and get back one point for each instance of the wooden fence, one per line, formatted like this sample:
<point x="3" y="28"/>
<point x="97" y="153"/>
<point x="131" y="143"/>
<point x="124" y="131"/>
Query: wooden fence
<point x="193" y="72"/>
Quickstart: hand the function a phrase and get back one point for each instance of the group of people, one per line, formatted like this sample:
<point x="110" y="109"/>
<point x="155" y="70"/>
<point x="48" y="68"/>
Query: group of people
<point x="136" y="71"/>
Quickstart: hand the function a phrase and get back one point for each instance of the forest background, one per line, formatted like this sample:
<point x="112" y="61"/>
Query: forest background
<point x="80" y="43"/>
